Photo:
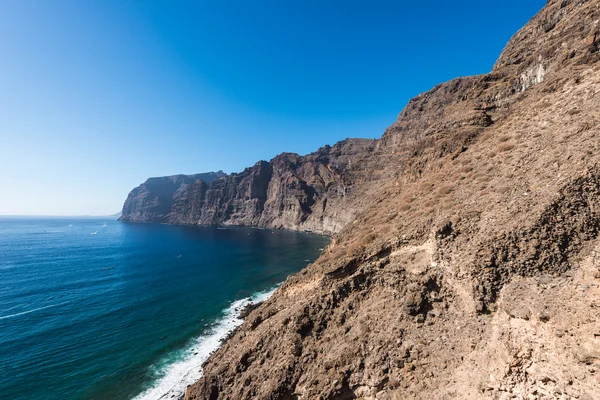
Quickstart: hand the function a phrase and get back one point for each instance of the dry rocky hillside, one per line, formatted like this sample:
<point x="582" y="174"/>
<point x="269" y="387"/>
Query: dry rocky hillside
<point x="465" y="259"/>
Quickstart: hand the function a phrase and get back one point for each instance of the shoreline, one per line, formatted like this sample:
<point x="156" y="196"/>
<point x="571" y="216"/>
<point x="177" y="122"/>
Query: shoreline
<point x="181" y="368"/>
<point x="325" y="234"/>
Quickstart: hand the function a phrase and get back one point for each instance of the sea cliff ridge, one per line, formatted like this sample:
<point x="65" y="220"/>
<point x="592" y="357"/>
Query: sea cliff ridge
<point x="465" y="255"/>
<point x="307" y="193"/>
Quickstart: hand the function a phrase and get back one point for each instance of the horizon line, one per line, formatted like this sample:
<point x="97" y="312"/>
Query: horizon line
<point x="58" y="215"/>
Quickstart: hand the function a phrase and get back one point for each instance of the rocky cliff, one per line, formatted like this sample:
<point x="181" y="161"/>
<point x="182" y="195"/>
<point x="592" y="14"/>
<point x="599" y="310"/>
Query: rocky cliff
<point x="465" y="260"/>
<point x="153" y="199"/>
<point x="310" y="193"/>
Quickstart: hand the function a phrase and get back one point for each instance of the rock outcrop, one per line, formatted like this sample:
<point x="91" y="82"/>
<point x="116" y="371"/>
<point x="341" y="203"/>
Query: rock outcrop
<point x="464" y="261"/>
<point x="153" y="199"/>
<point x="309" y="193"/>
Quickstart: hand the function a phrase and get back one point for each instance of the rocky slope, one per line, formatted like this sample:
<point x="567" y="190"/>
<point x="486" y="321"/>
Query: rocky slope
<point x="465" y="260"/>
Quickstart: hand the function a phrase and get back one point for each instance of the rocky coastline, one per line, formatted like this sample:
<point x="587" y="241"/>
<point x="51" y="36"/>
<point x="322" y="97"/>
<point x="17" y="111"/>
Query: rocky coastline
<point x="465" y="258"/>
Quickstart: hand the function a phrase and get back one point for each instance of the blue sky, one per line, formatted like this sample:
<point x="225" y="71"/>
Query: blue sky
<point x="97" y="96"/>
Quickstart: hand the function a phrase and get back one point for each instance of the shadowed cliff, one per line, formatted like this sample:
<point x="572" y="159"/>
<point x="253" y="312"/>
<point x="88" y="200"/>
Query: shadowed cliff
<point x="153" y="199"/>
<point x="309" y="193"/>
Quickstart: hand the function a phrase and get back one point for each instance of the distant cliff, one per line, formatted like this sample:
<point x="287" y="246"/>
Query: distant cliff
<point x="153" y="199"/>
<point x="309" y="193"/>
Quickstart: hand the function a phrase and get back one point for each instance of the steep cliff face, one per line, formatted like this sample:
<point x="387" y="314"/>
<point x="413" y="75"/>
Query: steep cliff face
<point x="470" y="268"/>
<point x="153" y="199"/>
<point x="310" y="193"/>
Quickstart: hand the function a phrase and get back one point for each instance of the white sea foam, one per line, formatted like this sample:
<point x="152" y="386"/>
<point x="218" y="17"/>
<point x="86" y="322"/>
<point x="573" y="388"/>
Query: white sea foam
<point x="180" y="369"/>
<point x="34" y="310"/>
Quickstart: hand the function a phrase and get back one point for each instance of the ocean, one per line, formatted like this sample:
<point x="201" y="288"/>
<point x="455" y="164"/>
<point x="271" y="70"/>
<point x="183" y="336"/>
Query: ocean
<point x="98" y="309"/>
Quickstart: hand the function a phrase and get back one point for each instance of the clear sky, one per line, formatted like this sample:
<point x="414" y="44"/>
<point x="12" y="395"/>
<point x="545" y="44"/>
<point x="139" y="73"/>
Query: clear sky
<point x="97" y="96"/>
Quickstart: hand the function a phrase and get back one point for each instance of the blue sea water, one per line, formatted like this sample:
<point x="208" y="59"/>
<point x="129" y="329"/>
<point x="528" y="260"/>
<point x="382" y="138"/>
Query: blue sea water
<point x="98" y="309"/>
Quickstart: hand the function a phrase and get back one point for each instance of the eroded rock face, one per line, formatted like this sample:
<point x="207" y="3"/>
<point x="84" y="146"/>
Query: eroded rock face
<point x="470" y="266"/>
<point x="310" y="193"/>
<point x="153" y="199"/>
